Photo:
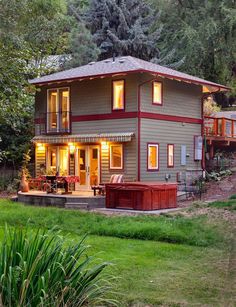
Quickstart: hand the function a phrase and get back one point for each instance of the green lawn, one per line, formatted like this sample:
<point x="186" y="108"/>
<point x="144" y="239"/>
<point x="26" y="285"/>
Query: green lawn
<point x="152" y="271"/>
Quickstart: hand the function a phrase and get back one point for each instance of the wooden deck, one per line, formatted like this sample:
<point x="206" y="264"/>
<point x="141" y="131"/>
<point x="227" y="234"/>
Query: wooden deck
<point x="220" y="131"/>
<point x="76" y="200"/>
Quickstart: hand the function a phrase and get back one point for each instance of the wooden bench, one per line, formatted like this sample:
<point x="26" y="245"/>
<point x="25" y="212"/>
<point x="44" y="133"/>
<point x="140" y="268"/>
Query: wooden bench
<point x="116" y="178"/>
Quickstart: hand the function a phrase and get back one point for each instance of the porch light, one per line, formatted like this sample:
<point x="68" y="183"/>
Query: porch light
<point x="104" y="145"/>
<point x="71" y="147"/>
<point x="40" y="147"/>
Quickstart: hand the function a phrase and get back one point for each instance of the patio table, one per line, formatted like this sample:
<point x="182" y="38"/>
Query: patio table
<point x="67" y="180"/>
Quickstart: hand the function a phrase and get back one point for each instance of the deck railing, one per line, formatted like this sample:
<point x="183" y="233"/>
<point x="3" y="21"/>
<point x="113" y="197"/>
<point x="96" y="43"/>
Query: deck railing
<point x="55" y="122"/>
<point x="219" y="127"/>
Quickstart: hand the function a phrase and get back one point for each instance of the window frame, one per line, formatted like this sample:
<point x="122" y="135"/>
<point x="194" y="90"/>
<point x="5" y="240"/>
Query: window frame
<point x="168" y="151"/>
<point x="158" y="157"/>
<point x="48" y="158"/>
<point x="112" y="95"/>
<point x="58" y="108"/>
<point x="122" y="157"/>
<point x="154" y="102"/>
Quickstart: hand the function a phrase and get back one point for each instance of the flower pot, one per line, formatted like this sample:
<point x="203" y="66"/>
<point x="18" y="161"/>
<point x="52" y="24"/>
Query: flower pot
<point x="24" y="185"/>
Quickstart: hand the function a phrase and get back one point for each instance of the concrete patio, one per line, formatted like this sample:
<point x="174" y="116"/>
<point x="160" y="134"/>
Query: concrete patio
<point x="76" y="200"/>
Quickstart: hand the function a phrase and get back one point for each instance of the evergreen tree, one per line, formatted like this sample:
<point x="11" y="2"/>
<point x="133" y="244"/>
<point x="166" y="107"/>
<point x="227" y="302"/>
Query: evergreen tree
<point x="203" y="34"/>
<point x="123" y="28"/>
<point x="83" y="49"/>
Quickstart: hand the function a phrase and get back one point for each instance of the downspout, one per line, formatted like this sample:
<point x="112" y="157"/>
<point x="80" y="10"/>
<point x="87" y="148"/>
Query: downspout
<point x="203" y="135"/>
<point x="139" y="123"/>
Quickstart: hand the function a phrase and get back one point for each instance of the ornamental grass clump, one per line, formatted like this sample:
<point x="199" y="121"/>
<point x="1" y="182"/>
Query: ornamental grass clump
<point x="37" y="269"/>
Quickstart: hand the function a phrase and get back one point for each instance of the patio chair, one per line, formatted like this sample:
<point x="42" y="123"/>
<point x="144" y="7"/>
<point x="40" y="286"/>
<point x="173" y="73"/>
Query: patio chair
<point x="37" y="183"/>
<point x="116" y="178"/>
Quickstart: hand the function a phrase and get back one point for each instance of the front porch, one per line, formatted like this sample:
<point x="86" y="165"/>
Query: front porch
<point x="77" y="200"/>
<point x="92" y="158"/>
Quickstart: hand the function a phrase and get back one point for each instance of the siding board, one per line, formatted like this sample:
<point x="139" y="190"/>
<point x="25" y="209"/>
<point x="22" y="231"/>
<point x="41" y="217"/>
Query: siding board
<point x="163" y="132"/>
<point x="179" y="98"/>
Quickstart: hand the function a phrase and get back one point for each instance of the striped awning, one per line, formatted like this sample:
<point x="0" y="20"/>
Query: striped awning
<point x="84" y="138"/>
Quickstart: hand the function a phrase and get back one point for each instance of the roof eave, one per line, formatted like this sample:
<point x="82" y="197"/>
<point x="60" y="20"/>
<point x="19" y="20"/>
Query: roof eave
<point x="219" y="87"/>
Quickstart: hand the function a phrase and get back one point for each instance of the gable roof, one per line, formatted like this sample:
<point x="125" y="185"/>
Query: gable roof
<point x="126" y="64"/>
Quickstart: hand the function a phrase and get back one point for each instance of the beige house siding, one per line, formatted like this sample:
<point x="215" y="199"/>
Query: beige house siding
<point x="130" y="163"/>
<point x="130" y="148"/>
<point x="166" y="132"/>
<point x="105" y="126"/>
<point x="89" y="97"/>
<point x="179" y="98"/>
<point x="95" y="96"/>
<point x="40" y="159"/>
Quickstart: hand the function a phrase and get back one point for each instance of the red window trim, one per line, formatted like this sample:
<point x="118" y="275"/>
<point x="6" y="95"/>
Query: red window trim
<point x="122" y="160"/>
<point x="168" y="165"/>
<point x="158" y="157"/>
<point x="112" y="96"/>
<point x="153" y="102"/>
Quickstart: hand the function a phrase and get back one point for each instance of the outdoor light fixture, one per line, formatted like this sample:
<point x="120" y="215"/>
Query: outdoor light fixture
<point x="104" y="145"/>
<point x="40" y="147"/>
<point x="71" y="147"/>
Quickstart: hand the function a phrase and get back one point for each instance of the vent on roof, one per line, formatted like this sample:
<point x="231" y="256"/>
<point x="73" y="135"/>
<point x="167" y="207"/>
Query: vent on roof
<point x="91" y="63"/>
<point x="122" y="60"/>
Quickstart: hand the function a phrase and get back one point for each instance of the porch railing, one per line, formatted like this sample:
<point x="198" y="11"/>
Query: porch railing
<point x="55" y="122"/>
<point x="221" y="127"/>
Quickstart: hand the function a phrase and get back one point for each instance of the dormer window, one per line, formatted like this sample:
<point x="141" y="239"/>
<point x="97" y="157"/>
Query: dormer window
<point x="118" y="95"/>
<point x="157" y="93"/>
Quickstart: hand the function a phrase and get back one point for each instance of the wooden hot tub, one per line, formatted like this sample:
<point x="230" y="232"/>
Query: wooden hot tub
<point x="141" y="195"/>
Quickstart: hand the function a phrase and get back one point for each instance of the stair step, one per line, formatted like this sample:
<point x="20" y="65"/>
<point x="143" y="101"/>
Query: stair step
<point x="14" y="198"/>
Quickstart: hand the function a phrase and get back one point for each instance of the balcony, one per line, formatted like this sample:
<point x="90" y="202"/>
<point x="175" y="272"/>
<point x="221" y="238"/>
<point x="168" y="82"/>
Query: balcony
<point x="220" y="129"/>
<point x="55" y="123"/>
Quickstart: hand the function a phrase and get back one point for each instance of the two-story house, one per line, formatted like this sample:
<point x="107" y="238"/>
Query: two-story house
<point x="121" y="115"/>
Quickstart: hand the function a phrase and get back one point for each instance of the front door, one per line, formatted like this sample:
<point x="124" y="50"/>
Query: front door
<point x="87" y="166"/>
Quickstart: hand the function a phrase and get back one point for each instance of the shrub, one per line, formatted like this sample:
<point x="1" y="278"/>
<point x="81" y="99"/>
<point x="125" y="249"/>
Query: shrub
<point x="232" y="196"/>
<point x="36" y="269"/>
<point x="228" y="205"/>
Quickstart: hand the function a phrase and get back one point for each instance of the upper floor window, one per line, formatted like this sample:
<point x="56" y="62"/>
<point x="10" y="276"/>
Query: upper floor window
<point x="116" y="156"/>
<point x="58" y="110"/>
<point x="153" y="157"/>
<point x="118" y="95"/>
<point x="157" y="93"/>
<point x="170" y="155"/>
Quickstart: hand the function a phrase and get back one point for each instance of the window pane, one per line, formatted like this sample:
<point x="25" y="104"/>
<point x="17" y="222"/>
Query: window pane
<point x="52" y="109"/>
<point x="170" y="155"/>
<point x="157" y="92"/>
<point x="65" y="107"/>
<point x="52" y="161"/>
<point x="116" y="156"/>
<point x="152" y="156"/>
<point x="63" y="161"/>
<point x="118" y="95"/>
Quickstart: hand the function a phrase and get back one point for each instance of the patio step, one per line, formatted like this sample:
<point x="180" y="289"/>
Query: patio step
<point x="14" y="198"/>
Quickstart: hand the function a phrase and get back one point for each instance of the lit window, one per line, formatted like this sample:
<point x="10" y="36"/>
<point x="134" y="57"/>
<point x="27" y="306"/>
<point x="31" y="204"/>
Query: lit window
<point x="170" y="155"/>
<point x="57" y="161"/>
<point x="118" y="95"/>
<point x="157" y="93"/>
<point x="58" y="110"/>
<point x="153" y="156"/>
<point x="116" y="156"/>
